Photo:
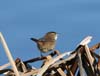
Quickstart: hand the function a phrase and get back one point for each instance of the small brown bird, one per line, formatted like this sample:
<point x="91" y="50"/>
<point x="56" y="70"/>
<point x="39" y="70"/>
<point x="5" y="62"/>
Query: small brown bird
<point x="47" y="43"/>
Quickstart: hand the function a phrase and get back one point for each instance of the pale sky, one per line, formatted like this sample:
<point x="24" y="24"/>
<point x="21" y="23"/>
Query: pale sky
<point x="22" y="19"/>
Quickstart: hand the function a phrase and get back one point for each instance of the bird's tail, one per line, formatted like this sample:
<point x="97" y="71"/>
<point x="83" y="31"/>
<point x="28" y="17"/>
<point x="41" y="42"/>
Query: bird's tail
<point x="33" y="39"/>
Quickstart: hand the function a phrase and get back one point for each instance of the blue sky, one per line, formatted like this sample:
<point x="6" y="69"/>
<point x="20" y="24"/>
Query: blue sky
<point x="22" y="19"/>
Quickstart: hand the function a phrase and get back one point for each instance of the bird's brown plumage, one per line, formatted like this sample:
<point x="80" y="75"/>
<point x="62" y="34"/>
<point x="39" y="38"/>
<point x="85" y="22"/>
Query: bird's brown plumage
<point x="47" y="43"/>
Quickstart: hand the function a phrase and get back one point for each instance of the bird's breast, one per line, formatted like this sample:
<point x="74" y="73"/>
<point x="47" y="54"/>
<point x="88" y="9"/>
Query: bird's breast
<point x="46" y="46"/>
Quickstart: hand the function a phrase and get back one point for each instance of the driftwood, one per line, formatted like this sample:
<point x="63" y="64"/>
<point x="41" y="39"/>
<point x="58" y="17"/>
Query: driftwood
<point x="83" y="61"/>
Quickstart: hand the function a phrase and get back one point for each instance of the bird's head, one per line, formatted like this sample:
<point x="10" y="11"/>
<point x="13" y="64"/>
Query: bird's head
<point x="51" y="36"/>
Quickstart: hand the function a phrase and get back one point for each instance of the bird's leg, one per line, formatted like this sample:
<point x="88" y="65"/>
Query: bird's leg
<point x="58" y="53"/>
<point x="41" y="54"/>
